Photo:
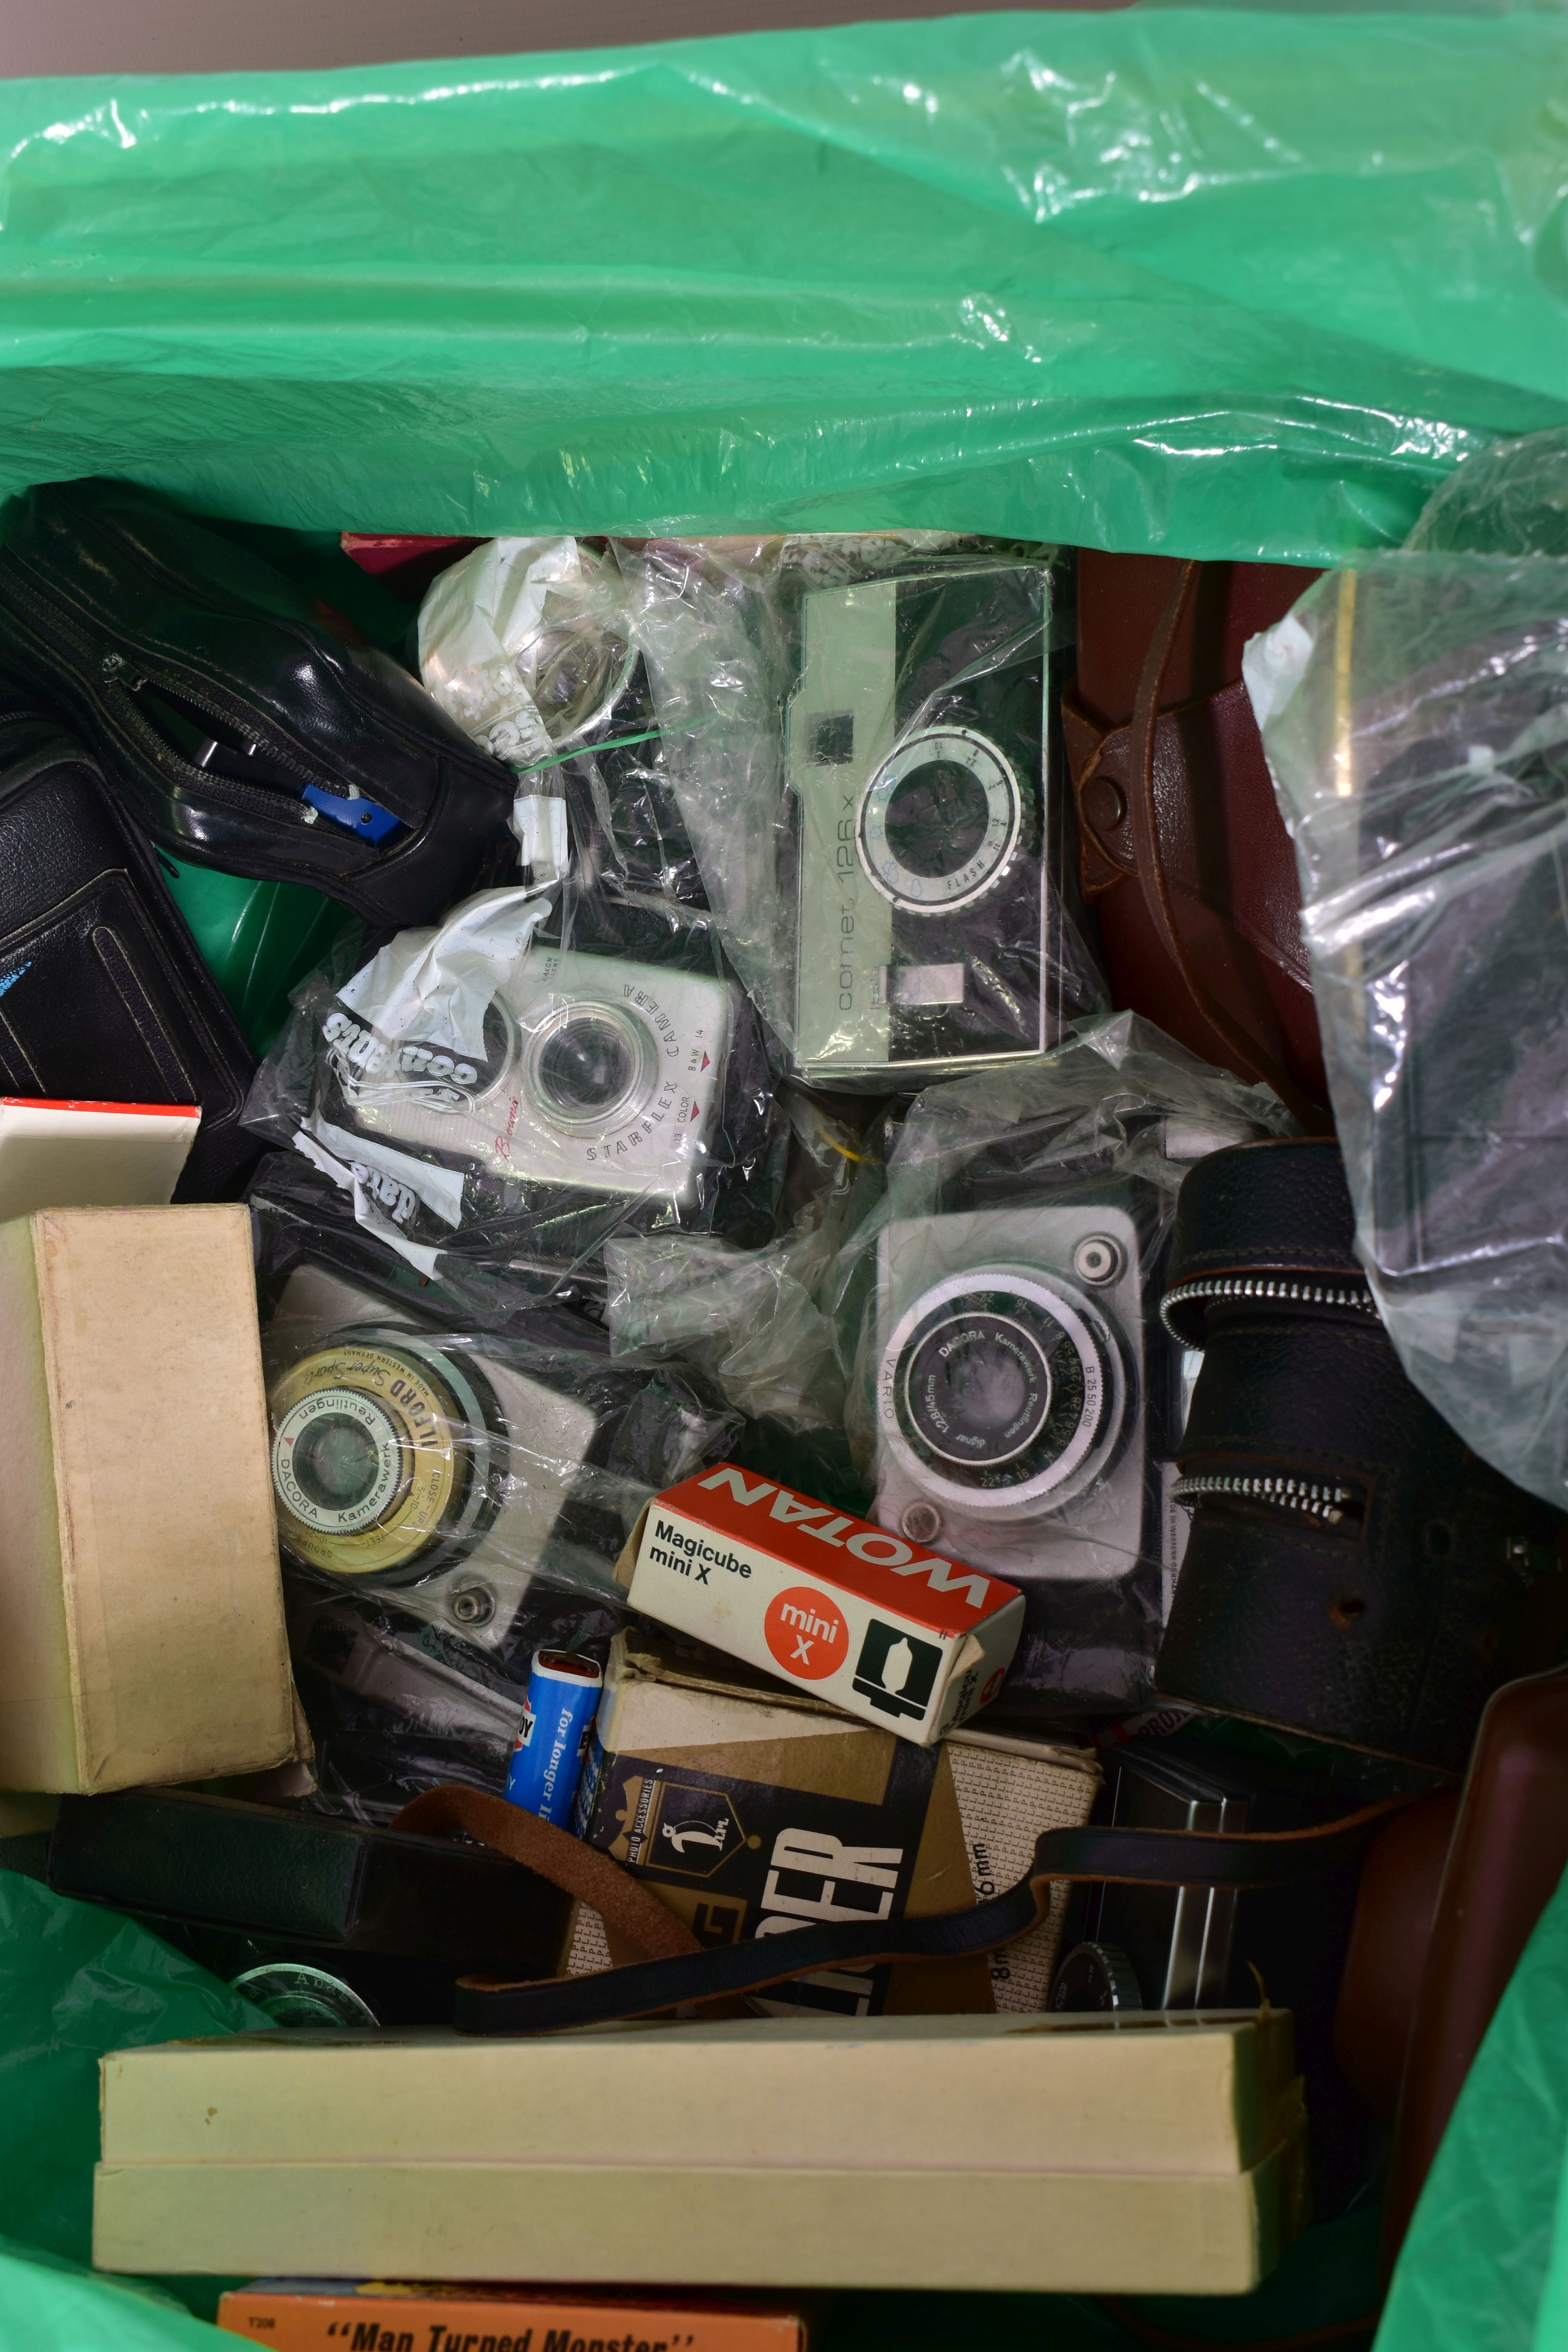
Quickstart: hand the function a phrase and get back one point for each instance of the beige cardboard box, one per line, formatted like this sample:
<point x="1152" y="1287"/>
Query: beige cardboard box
<point x="141" y="1609"/>
<point x="747" y="1807"/>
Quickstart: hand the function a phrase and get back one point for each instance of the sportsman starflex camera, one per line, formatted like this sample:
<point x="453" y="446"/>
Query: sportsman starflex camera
<point x="916" y="752"/>
<point x="1024" y="1403"/>
<point x="592" y="1073"/>
<point x="447" y="1474"/>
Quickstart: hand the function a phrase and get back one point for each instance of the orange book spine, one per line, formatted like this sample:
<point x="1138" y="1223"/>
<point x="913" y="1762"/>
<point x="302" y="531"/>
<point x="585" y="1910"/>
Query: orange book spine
<point x="375" y="2318"/>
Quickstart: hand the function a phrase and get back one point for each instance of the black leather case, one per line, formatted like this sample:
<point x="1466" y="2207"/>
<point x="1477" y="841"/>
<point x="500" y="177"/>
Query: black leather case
<point x="306" y="1879"/>
<point x="1353" y="1571"/>
<point x="104" y="996"/>
<point x="149" y="633"/>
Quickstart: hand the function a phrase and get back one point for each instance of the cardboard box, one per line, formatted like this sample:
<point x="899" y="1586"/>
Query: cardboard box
<point x="746" y="1807"/>
<point x="91" y="1155"/>
<point x="877" y="1626"/>
<point x="142" y="1631"/>
<point x="1109" y="2155"/>
<point x="373" y="2316"/>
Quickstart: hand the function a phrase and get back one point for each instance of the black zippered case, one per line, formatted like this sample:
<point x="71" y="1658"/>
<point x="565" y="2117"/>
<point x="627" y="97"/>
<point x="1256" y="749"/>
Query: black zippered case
<point x="104" y="996"/>
<point x="242" y="726"/>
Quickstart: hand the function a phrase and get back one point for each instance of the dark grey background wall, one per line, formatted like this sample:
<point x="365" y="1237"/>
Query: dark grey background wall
<point x="125" y="36"/>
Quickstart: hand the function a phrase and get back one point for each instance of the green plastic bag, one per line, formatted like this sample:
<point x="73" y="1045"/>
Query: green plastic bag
<point x="1223" y="281"/>
<point x="1484" y="2267"/>
<point x="259" y="940"/>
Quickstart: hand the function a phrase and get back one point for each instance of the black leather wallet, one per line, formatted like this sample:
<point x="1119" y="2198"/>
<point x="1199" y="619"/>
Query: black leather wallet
<point x="306" y="1879"/>
<point x="104" y="996"/>
<point x="243" y="726"/>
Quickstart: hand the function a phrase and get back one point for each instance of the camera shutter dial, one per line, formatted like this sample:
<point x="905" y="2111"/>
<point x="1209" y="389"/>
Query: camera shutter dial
<point x="941" y="821"/>
<point x="1000" y="1388"/>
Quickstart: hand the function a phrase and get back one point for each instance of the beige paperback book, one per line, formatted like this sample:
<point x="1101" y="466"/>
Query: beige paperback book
<point x="1085" y="2154"/>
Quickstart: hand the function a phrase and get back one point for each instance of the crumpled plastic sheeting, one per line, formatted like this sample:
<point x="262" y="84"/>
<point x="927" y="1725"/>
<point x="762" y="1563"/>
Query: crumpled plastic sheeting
<point x="1414" y="711"/>
<point x="1231" y="283"/>
<point x="1482" y="2266"/>
<point x="76" y="1981"/>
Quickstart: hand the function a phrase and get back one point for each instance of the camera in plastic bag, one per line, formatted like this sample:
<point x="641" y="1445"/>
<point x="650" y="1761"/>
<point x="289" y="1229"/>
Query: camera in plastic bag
<point x="861" y="738"/>
<point x="451" y="1472"/>
<point x="1018" y="1396"/>
<point x="397" y="1703"/>
<point x="542" y="1075"/>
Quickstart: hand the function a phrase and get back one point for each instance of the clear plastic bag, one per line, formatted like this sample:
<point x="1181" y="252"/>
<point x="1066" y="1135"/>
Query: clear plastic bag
<point x="1016" y="1396"/>
<point x="540" y="1071"/>
<point x="451" y="1472"/>
<point x="1414" y="711"/>
<point x="397" y="1703"/>
<point x="754" y="1320"/>
<point x="859" y="736"/>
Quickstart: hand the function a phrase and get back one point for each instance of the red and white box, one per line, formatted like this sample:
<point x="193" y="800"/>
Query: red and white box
<point x="834" y="1604"/>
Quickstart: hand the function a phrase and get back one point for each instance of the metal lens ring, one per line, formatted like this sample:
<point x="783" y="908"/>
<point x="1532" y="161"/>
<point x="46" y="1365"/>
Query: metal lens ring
<point x="1000" y="1388"/>
<point x="941" y="821"/>
<point x="368" y="1462"/>
<point x="589" y="1066"/>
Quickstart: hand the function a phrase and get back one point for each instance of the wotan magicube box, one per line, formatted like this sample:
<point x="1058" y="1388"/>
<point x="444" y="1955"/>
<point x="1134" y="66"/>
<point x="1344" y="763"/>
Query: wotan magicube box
<point x="141" y="1633"/>
<point x="835" y="1604"/>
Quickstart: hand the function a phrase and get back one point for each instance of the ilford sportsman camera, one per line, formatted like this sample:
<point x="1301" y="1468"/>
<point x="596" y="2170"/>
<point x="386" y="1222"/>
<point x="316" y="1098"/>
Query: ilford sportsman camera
<point x="448" y="1474"/>
<point x="592" y="1073"/>
<point x="1024" y="1408"/>
<point x="916" y="751"/>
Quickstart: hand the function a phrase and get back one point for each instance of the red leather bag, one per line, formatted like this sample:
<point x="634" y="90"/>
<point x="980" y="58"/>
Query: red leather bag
<point x="1184" y="855"/>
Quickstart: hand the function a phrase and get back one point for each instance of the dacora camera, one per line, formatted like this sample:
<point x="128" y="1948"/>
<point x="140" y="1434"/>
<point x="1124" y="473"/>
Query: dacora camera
<point x="1024" y="1411"/>
<point x="592" y="1073"/>
<point x="916" y="751"/>
<point x="445" y="1473"/>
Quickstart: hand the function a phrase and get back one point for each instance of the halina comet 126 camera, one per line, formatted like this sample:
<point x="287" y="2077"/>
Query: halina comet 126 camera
<point x="917" y="755"/>
<point x="594" y="1073"/>
<point x="1024" y="1407"/>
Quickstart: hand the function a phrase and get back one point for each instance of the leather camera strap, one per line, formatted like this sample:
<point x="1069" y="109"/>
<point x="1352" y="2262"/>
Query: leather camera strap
<point x="1243" y="1052"/>
<point x="680" y="1973"/>
<point x="624" y="1904"/>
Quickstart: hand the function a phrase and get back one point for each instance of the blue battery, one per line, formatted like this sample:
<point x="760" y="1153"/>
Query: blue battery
<point x="558" y="1718"/>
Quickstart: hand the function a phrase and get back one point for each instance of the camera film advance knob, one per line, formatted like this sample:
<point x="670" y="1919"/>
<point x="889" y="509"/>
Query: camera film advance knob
<point x="1094" y="1976"/>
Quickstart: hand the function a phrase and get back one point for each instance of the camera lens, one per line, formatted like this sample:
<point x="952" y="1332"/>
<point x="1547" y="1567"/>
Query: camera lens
<point x="337" y="1462"/>
<point x="1001" y="1388"/>
<point x="937" y="818"/>
<point x="587" y="1065"/>
<point x="380" y="1455"/>
<point x="941" y="821"/>
<point x="978" y="1389"/>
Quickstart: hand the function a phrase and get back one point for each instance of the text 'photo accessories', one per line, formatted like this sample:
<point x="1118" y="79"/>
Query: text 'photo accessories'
<point x="1159" y="1857"/>
<point x="1353" y="1571"/>
<point x="919" y="756"/>
<point x="244" y="726"/>
<point x="104" y="996"/>
<point x="1187" y="862"/>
